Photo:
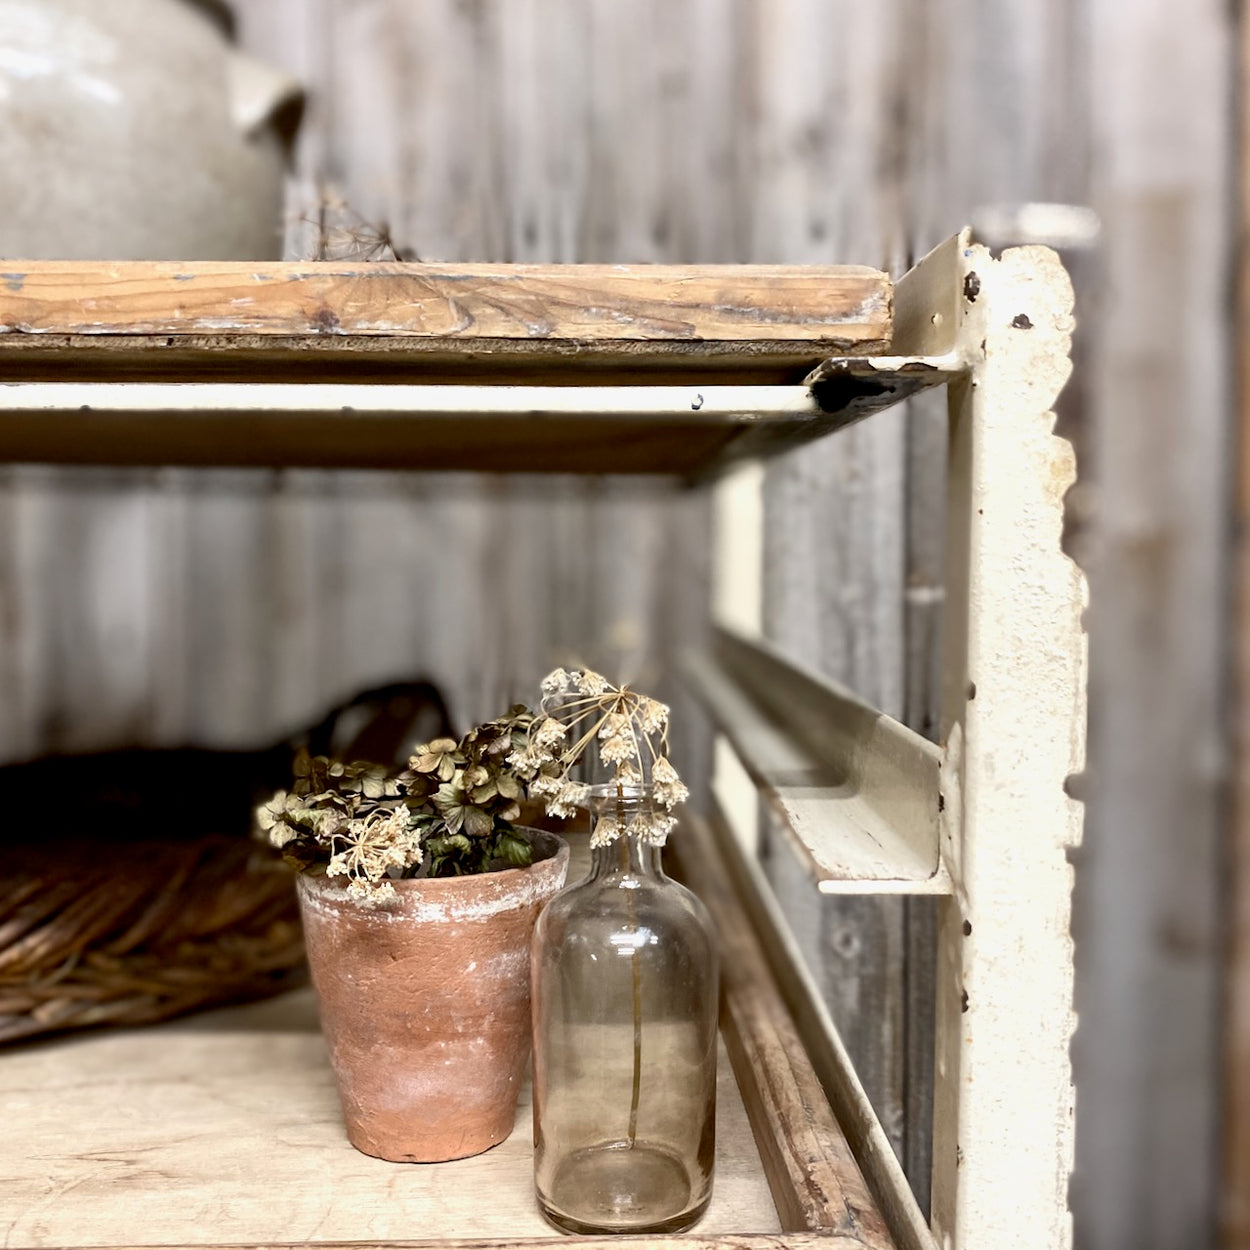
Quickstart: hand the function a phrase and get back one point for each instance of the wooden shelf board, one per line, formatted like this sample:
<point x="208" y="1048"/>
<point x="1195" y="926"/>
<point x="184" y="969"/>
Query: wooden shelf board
<point x="800" y="1003"/>
<point x="226" y="1128"/>
<point x="741" y="323"/>
<point x="856" y="792"/>
<point x="816" y="1182"/>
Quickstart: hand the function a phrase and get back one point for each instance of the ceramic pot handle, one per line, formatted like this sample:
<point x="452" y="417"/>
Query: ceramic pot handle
<point x="262" y="96"/>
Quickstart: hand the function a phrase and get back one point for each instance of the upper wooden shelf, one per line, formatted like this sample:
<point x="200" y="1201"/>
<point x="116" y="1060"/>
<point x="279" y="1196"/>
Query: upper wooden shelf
<point x="434" y="324"/>
<point x="499" y="368"/>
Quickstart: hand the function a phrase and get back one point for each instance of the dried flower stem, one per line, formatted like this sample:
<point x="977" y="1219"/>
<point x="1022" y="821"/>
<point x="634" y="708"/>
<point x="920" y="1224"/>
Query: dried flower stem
<point x="635" y="1093"/>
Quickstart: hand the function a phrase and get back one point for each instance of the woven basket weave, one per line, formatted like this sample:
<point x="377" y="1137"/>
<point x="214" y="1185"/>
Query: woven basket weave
<point x="122" y="901"/>
<point x="157" y="929"/>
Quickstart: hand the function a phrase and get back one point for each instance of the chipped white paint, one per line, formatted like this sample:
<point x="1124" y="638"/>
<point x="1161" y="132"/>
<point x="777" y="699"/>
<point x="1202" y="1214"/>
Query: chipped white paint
<point x="1014" y="732"/>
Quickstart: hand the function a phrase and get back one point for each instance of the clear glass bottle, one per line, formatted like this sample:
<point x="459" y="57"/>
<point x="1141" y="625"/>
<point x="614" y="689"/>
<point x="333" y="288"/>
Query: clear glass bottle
<point x="625" y="1014"/>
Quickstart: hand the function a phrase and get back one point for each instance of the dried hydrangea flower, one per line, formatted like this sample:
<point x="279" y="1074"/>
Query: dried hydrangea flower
<point x="607" y="829"/>
<point x="666" y="785"/>
<point x="630" y="731"/>
<point x="556" y="682"/>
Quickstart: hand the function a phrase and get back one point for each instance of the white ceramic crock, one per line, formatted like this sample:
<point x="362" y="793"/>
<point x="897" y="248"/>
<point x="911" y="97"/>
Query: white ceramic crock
<point x="133" y="129"/>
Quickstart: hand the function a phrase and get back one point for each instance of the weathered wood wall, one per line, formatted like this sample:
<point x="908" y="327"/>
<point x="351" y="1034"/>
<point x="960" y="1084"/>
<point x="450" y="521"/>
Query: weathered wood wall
<point x="226" y="607"/>
<point x="1149" y="892"/>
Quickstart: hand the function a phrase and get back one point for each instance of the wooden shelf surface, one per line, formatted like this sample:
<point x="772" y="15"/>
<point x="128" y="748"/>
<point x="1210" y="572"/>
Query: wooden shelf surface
<point x="335" y="321"/>
<point x="226" y="1128"/>
<point x="499" y="368"/>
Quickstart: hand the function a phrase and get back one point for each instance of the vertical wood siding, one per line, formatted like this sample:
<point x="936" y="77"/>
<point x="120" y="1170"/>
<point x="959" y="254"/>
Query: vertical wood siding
<point x="1149" y="890"/>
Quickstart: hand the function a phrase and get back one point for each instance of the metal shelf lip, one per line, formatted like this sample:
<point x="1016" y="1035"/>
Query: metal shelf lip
<point x="857" y="792"/>
<point x="683" y="430"/>
<point x="702" y="404"/>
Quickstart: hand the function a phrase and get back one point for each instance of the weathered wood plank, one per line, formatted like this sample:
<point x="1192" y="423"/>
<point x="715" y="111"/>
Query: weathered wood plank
<point x="843" y="306"/>
<point x="1152" y="883"/>
<point x="683" y="1241"/>
<point x="812" y="1173"/>
<point x="227" y="1127"/>
<point x="1234" y="1204"/>
<point x="793" y="978"/>
<point x="822" y="114"/>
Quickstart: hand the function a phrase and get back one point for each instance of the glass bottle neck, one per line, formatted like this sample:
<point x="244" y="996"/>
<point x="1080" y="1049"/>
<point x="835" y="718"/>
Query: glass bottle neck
<point x="627" y="856"/>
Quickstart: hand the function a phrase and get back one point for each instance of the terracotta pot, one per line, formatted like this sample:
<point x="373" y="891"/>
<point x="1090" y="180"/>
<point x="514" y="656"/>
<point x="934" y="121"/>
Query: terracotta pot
<point x="425" y="1004"/>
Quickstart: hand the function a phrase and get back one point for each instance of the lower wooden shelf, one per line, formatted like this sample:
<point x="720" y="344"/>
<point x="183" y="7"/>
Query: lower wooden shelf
<point x="224" y="1129"/>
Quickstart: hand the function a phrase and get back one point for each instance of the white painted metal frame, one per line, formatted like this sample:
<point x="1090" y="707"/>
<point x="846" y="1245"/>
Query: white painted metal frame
<point x="707" y="405"/>
<point x="983" y="819"/>
<point x="1013" y="733"/>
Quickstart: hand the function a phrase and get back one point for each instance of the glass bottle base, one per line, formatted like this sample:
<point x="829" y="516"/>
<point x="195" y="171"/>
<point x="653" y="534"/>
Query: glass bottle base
<point x="619" y="1188"/>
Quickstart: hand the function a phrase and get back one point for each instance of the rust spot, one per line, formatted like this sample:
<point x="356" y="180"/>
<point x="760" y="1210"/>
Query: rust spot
<point x="963" y="1001"/>
<point x="838" y="391"/>
<point x="1021" y="322"/>
<point x="972" y="287"/>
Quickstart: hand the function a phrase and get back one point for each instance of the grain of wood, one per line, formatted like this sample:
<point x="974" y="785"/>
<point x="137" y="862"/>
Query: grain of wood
<point x="841" y="306"/>
<point x="1152" y="881"/>
<point x="226" y="1129"/>
<point x="814" y="1178"/>
<point x="682" y="1241"/>
<point x="821" y="121"/>
<point x="1234" y="1206"/>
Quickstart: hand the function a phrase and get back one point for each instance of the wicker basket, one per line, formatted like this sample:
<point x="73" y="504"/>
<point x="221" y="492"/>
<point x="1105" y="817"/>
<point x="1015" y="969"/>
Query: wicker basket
<point x="158" y="929"/>
<point x="138" y="922"/>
